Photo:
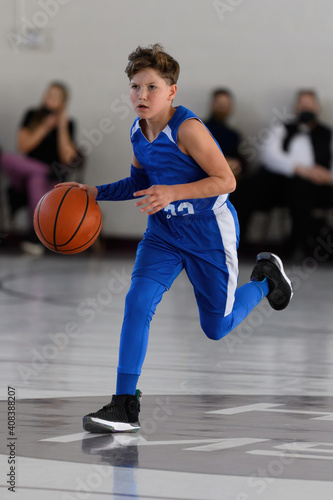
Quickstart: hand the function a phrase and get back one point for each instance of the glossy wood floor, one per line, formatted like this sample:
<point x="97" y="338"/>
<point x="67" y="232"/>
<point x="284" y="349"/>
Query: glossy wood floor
<point x="248" y="417"/>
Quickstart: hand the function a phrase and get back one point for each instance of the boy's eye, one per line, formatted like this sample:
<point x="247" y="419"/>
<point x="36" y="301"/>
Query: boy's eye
<point x="133" y="86"/>
<point x="152" y="87"/>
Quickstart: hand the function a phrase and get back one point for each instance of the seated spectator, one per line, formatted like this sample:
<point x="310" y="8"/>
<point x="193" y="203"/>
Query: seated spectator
<point x="46" y="144"/>
<point x="296" y="172"/>
<point x="228" y="138"/>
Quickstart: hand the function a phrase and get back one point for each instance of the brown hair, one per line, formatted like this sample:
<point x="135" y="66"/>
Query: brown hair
<point x="153" y="57"/>
<point x="222" y="91"/>
<point x="62" y="87"/>
<point x="310" y="92"/>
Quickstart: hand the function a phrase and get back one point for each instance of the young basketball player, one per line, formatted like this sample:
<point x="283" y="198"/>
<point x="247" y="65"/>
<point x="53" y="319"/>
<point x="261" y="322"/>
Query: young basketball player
<point x="181" y="171"/>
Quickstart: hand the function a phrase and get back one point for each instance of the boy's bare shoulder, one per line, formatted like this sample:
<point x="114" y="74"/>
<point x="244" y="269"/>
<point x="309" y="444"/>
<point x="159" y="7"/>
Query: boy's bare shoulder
<point x="193" y="135"/>
<point x="190" y="128"/>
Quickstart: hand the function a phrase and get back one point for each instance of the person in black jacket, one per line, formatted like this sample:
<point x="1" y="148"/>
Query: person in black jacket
<point x="227" y="137"/>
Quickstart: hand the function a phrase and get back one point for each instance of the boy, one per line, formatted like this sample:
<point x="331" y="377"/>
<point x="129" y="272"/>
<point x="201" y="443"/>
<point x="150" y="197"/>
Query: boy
<point x="181" y="171"/>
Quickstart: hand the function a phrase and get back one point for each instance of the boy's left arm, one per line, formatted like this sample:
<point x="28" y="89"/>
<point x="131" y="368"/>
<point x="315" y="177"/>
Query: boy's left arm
<point x="196" y="141"/>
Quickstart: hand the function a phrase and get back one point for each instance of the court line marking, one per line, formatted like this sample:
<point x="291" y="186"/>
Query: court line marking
<point x="288" y="455"/>
<point x="270" y="407"/>
<point x="124" y="439"/>
<point x="130" y="440"/>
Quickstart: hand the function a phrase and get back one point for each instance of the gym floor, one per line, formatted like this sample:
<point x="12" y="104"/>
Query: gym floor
<point x="248" y="417"/>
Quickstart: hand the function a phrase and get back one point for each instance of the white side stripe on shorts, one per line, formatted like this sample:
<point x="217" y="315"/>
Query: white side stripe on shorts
<point x="227" y="228"/>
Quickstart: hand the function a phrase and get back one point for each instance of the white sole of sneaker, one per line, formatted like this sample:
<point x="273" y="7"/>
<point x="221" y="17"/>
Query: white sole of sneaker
<point x="284" y="274"/>
<point x="114" y="426"/>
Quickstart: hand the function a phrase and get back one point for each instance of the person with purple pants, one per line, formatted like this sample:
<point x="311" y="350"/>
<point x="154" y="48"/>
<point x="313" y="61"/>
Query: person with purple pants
<point x="45" y="141"/>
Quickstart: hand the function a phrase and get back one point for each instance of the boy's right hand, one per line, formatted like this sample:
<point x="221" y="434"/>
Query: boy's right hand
<point x="92" y="190"/>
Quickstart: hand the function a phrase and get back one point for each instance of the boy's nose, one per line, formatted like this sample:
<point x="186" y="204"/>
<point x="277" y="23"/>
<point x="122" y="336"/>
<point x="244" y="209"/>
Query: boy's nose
<point x="143" y="94"/>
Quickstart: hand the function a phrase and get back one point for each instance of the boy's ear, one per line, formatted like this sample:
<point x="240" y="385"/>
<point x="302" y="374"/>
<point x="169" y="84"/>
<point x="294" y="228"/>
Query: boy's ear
<point x="172" y="91"/>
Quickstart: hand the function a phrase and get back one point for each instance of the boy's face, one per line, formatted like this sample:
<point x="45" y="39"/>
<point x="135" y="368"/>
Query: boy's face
<point x="150" y="93"/>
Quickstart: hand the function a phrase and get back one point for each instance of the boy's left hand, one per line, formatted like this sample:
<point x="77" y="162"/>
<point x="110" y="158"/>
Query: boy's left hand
<point x="158" y="197"/>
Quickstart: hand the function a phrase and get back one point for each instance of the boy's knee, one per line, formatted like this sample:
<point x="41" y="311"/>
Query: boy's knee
<point x="135" y="301"/>
<point x="213" y="335"/>
<point x="143" y="296"/>
<point x="215" y="328"/>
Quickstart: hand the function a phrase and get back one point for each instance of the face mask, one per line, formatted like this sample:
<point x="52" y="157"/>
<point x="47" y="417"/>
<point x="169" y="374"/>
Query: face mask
<point x="307" y="117"/>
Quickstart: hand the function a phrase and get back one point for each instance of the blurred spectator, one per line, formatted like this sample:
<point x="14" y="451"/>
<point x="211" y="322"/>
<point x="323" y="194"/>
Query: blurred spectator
<point x="229" y="139"/>
<point x="296" y="172"/>
<point x="45" y="141"/>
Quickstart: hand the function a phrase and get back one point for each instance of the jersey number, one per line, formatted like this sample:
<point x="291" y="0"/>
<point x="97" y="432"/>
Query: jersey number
<point x="185" y="205"/>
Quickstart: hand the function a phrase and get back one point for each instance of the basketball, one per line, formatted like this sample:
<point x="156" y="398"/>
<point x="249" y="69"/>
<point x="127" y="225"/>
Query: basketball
<point x="67" y="220"/>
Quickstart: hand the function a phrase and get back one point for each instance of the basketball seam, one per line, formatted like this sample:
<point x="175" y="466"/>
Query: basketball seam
<point x="76" y="248"/>
<point x="80" y="224"/>
<point x="39" y="227"/>
<point x="56" y="218"/>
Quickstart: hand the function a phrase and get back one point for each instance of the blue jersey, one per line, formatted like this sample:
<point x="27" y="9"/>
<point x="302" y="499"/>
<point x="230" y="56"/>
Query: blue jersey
<point x="165" y="163"/>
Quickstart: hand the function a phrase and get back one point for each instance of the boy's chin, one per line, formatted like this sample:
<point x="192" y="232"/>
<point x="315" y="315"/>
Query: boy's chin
<point x="144" y="113"/>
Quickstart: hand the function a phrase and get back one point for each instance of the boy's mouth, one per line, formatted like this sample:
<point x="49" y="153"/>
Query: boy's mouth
<point x="142" y="106"/>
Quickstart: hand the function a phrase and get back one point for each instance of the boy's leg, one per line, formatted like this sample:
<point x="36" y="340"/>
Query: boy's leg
<point x="247" y="297"/>
<point x="267" y="280"/>
<point x="221" y="306"/>
<point x="214" y="273"/>
<point x="140" y="305"/>
<point x="157" y="265"/>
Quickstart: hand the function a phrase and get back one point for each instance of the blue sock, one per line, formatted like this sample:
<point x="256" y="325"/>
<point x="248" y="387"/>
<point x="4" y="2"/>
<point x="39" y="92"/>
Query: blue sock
<point x="126" y="383"/>
<point x="263" y="285"/>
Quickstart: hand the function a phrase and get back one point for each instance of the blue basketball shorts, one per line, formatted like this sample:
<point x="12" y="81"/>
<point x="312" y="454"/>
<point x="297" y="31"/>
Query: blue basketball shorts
<point x="204" y="245"/>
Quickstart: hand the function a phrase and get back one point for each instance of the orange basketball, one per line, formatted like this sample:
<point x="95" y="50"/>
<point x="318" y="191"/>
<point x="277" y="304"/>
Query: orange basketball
<point x="67" y="220"/>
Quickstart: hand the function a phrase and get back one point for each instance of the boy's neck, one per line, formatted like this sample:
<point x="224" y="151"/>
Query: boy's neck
<point x="153" y="126"/>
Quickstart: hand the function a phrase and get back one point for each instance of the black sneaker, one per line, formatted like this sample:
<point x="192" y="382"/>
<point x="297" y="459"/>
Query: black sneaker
<point x="121" y="415"/>
<point x="270" y="266"/>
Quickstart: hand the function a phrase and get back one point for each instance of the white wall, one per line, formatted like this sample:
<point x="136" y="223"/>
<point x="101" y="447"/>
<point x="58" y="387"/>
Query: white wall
<point x="262" y="49"/>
